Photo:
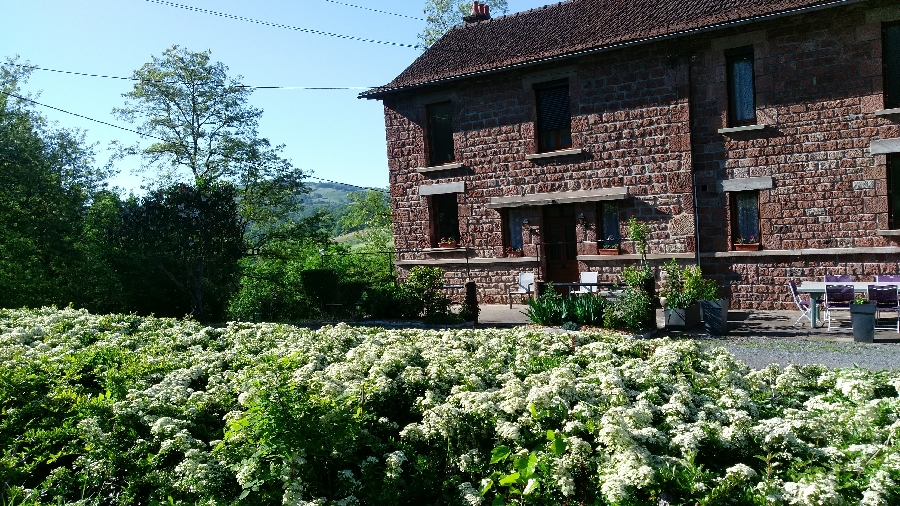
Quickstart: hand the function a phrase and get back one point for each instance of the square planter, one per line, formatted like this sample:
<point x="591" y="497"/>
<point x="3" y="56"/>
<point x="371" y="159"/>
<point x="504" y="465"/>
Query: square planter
<point x="747" y="247"/>
<point x="862" y="318"/>
<point x="682" y="319"/>
<point x="715" y="316"/>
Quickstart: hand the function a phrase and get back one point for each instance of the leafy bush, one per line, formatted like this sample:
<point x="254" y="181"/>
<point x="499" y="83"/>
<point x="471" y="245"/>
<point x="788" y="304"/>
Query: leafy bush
<point x="553" y="309"/>
<point x="631" y="310"/>
<point x="686" y="285"/>
<point x="115" y="410"/>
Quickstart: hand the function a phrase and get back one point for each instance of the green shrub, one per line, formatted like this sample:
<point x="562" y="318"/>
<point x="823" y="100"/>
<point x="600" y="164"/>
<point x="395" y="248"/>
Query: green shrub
<point x="553" y="309"/>
<point x="631" y="310"/>
<point x="547" y="309"/>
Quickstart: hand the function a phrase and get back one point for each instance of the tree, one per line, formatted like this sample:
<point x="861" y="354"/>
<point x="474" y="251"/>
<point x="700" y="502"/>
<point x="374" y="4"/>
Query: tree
<point x="46" y="180"/>
<point x="441" y="15"/>
<point x="369" y="213"/>
<point x="202" y="126"/>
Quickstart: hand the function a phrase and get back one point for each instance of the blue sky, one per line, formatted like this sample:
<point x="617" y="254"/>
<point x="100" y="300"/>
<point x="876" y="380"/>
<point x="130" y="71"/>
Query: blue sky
<point x="330" y="133"/>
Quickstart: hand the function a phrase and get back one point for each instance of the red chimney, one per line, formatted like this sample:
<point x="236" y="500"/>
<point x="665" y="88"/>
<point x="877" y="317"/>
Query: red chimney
<point x="480" y="12"/>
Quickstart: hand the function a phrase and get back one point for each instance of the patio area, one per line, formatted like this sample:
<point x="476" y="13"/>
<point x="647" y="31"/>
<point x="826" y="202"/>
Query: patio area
<point x="741" y="324"/>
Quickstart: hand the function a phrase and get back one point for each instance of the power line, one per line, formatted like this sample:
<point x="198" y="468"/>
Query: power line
<point x="80" y="116"/>
<point x="350" y="185"/>
<point x="278" y="25"/>
<point x="72" y="72"/>
<point x="157" y="138"/>
<point x="376" y="10"/>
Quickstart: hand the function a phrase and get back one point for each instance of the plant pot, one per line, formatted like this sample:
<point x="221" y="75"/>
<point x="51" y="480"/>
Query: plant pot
<point x="715" y="316"/>
<point x="682" y="318"/>
<point x="447" y="244"/>
<point x="515" y="254"/>
<point x="747" y="247"/>
<point x="607" y="251"/>
<point x="862" y="318"/>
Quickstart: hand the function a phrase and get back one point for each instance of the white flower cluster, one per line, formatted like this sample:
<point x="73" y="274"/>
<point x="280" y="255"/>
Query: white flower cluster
<point x="630" y="417"/>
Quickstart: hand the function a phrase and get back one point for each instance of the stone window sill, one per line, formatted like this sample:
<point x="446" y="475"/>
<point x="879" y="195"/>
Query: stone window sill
<point x="632" y="256"/>
<point x="554" y="154"/>
<point x="470" y="261"/>
<point x="742" y="129"/>
<point x="888" y="112"/>
<point x="436" y="168"/>
<point x="889" y="233"/>
<point x="458" y="249"/>
<point x="804" y="252"/>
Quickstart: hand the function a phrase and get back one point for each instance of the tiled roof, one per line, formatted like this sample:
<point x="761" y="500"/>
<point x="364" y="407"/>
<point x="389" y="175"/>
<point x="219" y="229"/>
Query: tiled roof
<point x="571" y="27"/>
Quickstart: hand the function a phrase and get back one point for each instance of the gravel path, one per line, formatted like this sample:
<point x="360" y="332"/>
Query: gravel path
<point x="758" y="352"/>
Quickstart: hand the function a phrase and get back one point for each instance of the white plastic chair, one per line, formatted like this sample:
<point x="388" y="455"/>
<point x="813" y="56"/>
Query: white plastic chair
<point x="522" y="287"/>
<point x="587" y="277"/>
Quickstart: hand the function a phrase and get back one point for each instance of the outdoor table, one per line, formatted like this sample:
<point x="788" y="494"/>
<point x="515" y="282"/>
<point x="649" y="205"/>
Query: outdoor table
<point x="816" y="289"/>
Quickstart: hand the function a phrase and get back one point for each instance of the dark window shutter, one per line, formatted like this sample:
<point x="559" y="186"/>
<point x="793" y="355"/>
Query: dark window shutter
<point x="891" y="61"/>
<point x="553" y="110"/>
<point x="893" y="181"/>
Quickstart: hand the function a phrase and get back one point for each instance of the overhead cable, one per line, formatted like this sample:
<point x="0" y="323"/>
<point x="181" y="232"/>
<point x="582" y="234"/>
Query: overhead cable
<point x="376" y="10"/>
<point x="71" y="72"/>
<point x="279" y="25"/>
<point x="157" y="138"/>
<point x="80" y="116"/>
<point x="382" y="190"/>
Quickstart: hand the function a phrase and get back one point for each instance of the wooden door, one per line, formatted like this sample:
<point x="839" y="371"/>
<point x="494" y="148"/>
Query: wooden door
<point x="560" y="246"/>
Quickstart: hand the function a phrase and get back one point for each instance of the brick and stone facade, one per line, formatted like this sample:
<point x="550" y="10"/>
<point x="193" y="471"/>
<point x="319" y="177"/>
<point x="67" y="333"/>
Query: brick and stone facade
<point x="650" y="132"/>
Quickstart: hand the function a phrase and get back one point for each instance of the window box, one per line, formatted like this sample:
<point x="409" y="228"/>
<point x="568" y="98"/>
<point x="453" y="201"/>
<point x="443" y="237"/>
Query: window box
<point x="607" y="251"/>
<point x="515" y="254"/>
<point x="747" y="247"/>
<point x="448" y="244"/>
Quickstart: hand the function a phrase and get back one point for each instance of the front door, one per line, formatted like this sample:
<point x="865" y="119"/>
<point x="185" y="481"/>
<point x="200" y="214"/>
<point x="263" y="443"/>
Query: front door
<point x="559" y="243"/>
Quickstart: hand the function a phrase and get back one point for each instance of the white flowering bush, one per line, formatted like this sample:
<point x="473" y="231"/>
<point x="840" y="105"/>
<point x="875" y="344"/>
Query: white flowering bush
<point x="128" y="410"/>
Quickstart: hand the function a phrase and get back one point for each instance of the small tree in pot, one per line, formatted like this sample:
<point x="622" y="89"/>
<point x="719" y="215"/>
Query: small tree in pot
<point x="713" y="307"/>
<point x="681" y="293"/>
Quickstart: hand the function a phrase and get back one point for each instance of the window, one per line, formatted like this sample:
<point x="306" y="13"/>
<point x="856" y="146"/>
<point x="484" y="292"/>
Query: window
<point x="741" y="92"/>
<point x="745" y="212"/>
<point x="554" y="116"/>
<point x="891" y="61"/>
<point x="893" y="182"/>
<point x="445" y="217"/>
<point x="440" y="132"/>
<point x="609" y="224"/>
<point x="514" y="219"/>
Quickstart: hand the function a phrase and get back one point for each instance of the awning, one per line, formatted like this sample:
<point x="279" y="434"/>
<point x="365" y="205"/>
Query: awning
<point x="545" y="199"/>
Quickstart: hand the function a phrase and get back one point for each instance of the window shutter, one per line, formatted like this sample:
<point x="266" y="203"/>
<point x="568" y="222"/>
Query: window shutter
<point x="891" y="61"/>
<point x="553" y="108"/>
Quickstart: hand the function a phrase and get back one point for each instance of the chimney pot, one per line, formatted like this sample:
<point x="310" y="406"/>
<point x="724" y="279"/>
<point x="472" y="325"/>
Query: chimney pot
<point x="480" y="12"/>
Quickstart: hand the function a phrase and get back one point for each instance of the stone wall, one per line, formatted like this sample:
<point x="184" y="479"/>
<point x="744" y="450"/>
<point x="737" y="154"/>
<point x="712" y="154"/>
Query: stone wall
<point x="647" y="118"/>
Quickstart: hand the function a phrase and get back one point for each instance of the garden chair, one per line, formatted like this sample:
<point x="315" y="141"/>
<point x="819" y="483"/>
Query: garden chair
<point x="886" y="299"/>
<point x="887" y="278"/>
<point x="802" y="305"/>
<point x="837" y="299"/>
<point x="841" y="278"/>
<point x="587" y="277"/>
<point x="523" y="286"/>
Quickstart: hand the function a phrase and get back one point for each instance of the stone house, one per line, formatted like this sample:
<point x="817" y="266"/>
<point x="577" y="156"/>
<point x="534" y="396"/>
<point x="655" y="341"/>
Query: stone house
<point x="717" y="123"/>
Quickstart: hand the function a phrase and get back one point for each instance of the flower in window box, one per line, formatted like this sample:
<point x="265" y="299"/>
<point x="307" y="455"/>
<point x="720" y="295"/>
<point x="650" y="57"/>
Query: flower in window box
<point x="608" y="247"/>
<point x="513" y="252"/>
<point x="447" y="242"/>
<point x="749" y="243"/>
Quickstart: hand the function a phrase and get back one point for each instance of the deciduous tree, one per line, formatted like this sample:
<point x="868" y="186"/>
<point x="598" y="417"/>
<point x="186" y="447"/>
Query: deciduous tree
<point x="441" y="15"/>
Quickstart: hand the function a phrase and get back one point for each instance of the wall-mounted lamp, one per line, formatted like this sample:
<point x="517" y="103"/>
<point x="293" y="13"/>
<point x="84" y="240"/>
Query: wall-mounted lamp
<point x="526" y="222"/>
<point x="581" y="219"/>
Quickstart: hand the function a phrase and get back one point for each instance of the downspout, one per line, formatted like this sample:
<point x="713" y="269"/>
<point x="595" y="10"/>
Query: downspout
<point x="693" y="170"/>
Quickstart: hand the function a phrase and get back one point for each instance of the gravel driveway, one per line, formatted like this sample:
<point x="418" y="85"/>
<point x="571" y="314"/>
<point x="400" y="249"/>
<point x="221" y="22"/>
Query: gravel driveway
<point x="758" y="352"/>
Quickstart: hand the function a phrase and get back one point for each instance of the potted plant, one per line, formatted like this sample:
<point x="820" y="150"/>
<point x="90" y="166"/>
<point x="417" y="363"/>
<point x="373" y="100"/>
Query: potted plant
<point x="447" y="242"/>
<point x="749" y="243"/>
<point x="513" y="252"/>
<point x="681" y="293"/>
<point x="608" y="247"/>
<point x="862" y="318"/>
<point x="713" y="308"/>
